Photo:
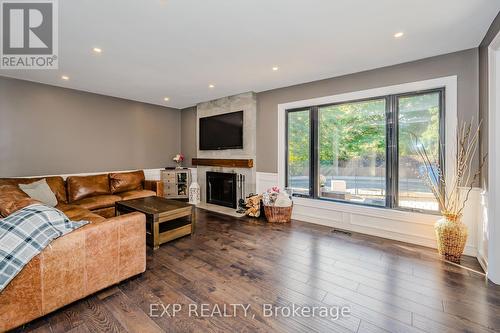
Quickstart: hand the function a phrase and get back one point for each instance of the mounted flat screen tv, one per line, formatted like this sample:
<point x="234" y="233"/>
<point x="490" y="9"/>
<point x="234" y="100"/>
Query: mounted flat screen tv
<point x="224" y="131"/>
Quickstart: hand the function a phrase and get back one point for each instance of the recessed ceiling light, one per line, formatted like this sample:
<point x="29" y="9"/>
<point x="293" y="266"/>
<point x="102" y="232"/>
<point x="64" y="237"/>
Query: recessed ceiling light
<point x="398" y="34"/>
<point x="166" y="99"/>
<point x="65" y="77"/>
<point x="97" y="50"/>
<point x="275" y="68"/>
<point x="211" y="86"/>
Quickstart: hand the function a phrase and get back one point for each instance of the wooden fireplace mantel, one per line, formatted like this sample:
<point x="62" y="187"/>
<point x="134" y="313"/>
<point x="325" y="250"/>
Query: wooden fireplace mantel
<point x="234" y="163"/>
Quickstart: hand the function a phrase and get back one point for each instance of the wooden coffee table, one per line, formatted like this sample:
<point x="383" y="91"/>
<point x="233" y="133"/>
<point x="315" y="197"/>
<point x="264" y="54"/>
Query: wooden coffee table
<point x="166" y="220"/>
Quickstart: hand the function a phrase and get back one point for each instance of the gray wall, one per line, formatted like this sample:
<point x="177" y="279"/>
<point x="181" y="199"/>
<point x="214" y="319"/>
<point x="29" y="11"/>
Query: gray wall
<point x="483" y="90"/>
<point x="188" y="134"/>
<point x="464" y="64"/>
<point x="51" y="130"/>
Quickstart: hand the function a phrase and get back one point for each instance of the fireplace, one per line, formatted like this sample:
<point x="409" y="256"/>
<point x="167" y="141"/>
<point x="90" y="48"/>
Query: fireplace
<point x="221" y="189"/>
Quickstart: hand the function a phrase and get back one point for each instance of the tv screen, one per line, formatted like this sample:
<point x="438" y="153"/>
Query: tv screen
<point x="223" y="131"/>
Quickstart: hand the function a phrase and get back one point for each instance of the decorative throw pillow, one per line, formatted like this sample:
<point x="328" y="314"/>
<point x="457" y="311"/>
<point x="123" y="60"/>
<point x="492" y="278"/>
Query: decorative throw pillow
<point x="40" y="191"/>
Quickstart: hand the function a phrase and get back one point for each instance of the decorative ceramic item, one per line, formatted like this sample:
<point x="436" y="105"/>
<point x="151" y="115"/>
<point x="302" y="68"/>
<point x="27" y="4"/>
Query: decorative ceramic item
<point x="451" y="233"/>
<point x="178" y="159"/>
<point x="194" y="193"/>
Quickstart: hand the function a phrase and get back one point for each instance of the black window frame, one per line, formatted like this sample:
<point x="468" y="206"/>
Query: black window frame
<point x="311" y="148"/>
<point x="392" y="147"/>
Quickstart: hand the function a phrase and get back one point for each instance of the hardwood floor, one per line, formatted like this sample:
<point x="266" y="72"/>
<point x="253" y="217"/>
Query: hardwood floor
<point x="387" y="285"/>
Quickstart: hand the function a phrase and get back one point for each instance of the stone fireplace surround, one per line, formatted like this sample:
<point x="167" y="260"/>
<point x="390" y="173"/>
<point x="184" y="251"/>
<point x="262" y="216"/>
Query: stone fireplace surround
<point x="246" y="102"/>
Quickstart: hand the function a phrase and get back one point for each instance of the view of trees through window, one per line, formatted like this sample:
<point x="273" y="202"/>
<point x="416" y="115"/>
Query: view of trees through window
<point x="298" y="151"/>
<point x="350" y="145"/>
<point x="352" y="151"/>
<point x="418" y="118"/>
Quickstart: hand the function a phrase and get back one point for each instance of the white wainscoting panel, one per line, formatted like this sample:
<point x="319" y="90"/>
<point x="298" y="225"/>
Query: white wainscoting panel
<point x="405" y="226"/>
<point x="153" y="174"/>
<point x="149" y="174"/>
<point x="265" y="180"/>
<point x="194" y="174"/>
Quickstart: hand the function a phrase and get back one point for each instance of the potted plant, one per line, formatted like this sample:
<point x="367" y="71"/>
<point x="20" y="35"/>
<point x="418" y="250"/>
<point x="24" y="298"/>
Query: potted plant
<point x="452" y="191"/>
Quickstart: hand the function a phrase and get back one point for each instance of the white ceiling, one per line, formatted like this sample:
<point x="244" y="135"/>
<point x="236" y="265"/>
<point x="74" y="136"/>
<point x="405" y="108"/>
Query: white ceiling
<point x="176" y="48"/>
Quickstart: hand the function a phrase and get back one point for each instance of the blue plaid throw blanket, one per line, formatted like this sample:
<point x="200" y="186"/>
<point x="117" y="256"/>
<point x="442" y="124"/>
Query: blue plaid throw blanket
<point x="25" y="233"/>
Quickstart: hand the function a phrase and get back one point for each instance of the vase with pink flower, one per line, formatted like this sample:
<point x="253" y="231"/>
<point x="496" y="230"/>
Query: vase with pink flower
<point x="178" y="159"/>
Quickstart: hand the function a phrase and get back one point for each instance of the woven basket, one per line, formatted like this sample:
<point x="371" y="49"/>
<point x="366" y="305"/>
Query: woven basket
<point x="451" y="236"/>
<point x="278" y="214"/>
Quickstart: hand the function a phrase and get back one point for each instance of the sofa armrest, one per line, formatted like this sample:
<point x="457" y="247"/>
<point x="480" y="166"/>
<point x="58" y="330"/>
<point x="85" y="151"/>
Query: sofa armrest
<point x="155" y="186"/>
<point x="74" y="266"/>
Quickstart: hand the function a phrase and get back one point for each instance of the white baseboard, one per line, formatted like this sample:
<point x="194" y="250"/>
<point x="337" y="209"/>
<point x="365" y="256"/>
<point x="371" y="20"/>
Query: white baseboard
<point x="482" y="231"/>
<point x="405" y="226"/>
<point x="483" y="262"/>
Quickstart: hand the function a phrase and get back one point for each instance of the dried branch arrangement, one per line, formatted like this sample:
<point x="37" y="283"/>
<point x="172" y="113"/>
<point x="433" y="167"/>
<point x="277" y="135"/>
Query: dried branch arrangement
<point x="448" y="191"/>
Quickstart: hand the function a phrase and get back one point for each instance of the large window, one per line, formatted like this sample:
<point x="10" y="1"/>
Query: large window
<point x="364" y="151"/>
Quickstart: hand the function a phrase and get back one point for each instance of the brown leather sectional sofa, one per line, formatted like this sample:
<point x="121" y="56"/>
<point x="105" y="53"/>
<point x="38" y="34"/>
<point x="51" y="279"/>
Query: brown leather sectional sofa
<point x="96" y="193"/>
<point x="100" y="254"/>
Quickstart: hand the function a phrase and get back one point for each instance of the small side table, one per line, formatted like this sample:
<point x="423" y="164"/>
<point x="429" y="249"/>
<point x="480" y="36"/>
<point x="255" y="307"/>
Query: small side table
<point x="176" y="183"/>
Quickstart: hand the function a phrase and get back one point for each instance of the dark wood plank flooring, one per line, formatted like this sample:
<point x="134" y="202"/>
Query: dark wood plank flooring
<point x="388" y="285"/>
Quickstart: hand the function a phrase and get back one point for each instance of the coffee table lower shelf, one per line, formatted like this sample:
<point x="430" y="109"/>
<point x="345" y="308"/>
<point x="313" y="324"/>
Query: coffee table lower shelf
<point x="166" y="232"/>
<point x="166" y="220"/>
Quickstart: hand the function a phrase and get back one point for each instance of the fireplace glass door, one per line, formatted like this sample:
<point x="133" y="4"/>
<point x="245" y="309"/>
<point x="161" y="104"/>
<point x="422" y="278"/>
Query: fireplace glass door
<point x="221" y="189"/>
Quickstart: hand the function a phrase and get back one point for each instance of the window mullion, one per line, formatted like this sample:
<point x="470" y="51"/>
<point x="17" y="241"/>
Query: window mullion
<point x="442" y="136"/>
<point x="388" y="151"/>
<point x="389" y="199"/>
<point x="314" y="179"/>
<point x="393" y="160"/>
<point x="287" y="113"/>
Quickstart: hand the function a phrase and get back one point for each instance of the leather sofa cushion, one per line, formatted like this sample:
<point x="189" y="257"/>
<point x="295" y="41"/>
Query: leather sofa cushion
<point x="12" y="198"/>
<point x="77" y="213"/>
<point x="136" y="194"/>
<point x="55" y="183"/>
<point x="107" y="212"/>
<point x="97" y="202"/>
<point x="126" y="181"/>
<point x="80" y="187"/>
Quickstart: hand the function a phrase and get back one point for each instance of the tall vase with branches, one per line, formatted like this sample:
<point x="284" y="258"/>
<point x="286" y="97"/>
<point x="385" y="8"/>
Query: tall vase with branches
<point x="453" y="191"/>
